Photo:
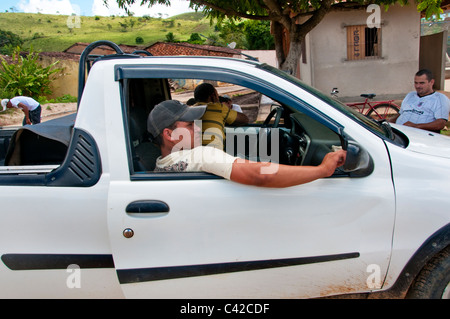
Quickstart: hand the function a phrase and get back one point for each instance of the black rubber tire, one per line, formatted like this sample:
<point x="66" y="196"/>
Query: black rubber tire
<point x="383" y="109"/>
<point x="434" y="279"/>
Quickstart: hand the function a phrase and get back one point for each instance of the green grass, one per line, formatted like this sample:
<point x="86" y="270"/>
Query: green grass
<point x="51" y="32"/>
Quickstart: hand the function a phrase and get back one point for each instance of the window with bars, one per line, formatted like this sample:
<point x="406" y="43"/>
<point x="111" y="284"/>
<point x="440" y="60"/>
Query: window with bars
<point x="363" y="42"/>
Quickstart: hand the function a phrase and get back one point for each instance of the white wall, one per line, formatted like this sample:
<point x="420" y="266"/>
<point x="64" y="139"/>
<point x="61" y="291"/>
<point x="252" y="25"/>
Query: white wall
<point x="388" y="77"/>
<point x="264" y="56"/>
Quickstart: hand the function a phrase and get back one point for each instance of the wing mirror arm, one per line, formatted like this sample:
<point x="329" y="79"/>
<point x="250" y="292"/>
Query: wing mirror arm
<point x="344" y="139"/>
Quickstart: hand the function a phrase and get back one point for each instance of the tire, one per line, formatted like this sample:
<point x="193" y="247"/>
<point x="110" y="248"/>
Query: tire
<point x="383" y="111"/>
<point x="433" y="281"/>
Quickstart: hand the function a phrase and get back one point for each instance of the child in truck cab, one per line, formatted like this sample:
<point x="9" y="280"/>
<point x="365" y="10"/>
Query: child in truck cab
<point x="172" y="126"/>
<point x="216" y="116"/>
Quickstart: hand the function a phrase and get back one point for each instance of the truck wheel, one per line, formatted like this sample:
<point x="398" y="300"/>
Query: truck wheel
<point x="433" y="282"/>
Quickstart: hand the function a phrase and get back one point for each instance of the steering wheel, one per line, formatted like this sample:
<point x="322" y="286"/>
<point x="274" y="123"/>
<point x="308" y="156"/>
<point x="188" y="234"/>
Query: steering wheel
<point x="276" y="112"/>
<point x="288" y="145"/>
<point x="265" y="133"/>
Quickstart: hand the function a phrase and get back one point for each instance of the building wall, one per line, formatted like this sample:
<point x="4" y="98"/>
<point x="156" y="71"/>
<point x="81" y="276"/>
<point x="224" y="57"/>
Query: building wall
<point x="390" y="76"/>
<point x="67" y="83"/>
<point x="264" y="56"/>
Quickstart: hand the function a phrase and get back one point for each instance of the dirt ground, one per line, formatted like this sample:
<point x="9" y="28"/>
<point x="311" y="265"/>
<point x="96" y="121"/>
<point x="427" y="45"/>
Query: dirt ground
<point x="49" y="111"/>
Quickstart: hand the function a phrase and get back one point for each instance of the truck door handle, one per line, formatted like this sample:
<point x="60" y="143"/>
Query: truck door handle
<point x="147" y="207"/>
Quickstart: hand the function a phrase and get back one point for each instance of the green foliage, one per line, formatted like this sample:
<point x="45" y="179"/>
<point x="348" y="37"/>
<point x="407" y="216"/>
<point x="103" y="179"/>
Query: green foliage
<point x="168" y="23"/>
<point x="249" y="34"/>
<point x="67" y="98"/>
<point x="25" y="76"/>
<point x="139" y="40"/>
<point x="59" y="37"/>
<point x="430" y="7"/>
<point x="258" y="35"/>
<point x="8" y="41"/>
<point x="170" y="37"/>
<point x="229" y="32"/>
<point x="260" y="10"/>
<point x="196" y="39"/>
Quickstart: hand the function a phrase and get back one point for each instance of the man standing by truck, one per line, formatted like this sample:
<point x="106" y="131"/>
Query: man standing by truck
<point x="30" y="107"/>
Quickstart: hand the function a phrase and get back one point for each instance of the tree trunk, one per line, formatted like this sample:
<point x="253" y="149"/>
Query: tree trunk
<point x="278" y="34"/>
<point x="288" y="54"/>
<point x="290" y="64"/>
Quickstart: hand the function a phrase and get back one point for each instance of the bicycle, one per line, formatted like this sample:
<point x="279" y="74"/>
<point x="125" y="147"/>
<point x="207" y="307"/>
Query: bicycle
<point x="379" y="110"/>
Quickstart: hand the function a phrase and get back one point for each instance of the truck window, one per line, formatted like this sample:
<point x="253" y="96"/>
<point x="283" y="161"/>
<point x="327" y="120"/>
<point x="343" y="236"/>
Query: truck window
<point x="249" y="141"/>
<point x="143" y="94"/>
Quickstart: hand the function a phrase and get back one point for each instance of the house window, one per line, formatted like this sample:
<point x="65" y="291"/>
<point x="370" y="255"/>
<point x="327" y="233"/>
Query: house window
<point x="363" y="42"/>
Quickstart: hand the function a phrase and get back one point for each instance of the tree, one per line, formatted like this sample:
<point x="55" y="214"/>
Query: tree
<point x="231" y="32"/>
<point x="296" y="17"/>
<point x="247" y="35"/>
<point x="196" y="39"/>
<point x="8" y="42"/>
<point x="258" y="35"/>
<point x="170" y="37"/>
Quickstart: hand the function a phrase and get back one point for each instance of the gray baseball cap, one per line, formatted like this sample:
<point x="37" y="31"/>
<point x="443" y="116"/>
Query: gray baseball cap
<point x="168" y="112"/>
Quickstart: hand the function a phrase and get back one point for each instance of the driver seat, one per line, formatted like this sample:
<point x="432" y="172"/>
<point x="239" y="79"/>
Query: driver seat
<point x="144" y="151"/>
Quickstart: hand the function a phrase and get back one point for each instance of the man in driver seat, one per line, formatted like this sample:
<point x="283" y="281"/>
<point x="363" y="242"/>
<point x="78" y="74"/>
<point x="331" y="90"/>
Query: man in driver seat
<point x="171" y="124"/>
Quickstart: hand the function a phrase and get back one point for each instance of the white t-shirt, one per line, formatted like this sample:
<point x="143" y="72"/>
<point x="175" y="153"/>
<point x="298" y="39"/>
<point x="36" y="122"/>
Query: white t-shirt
<point x="28" y="101"/>
<point x="200" y="159"/>
<point x="424" y="109"/>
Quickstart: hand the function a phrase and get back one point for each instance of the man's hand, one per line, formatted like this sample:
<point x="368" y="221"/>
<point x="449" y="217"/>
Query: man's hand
<point x="333" y="160"/>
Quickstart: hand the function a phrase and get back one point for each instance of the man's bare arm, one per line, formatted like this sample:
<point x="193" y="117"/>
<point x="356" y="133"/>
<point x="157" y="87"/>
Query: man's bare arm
<point x="241" y="119"/>
<point x="277" y="175"/>
<point x="436" y="125"/>
<point x="25" y="110"/>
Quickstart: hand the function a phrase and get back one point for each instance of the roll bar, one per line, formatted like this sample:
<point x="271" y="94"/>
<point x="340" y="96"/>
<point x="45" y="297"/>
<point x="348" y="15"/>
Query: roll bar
<point x="87" y="60"/>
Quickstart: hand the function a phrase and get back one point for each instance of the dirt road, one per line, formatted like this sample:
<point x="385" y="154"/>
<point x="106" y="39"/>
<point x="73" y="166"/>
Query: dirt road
<point x="49" y="111"/>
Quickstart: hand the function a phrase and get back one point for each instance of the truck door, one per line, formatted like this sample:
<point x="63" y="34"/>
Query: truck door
<point x="193" y="235"/>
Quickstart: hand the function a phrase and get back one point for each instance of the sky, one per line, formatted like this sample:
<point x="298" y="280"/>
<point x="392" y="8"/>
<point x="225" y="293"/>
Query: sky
<point x="91" y="7"/>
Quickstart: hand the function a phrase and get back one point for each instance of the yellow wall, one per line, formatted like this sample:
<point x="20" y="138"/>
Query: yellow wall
<point x="67" y="83"/>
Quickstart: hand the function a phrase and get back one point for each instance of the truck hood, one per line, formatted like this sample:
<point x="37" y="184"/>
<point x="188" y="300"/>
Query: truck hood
<point x="425" y="142"/>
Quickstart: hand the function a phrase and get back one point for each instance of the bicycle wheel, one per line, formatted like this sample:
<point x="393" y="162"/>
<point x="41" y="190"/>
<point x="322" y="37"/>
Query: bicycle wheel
<point x="383" y="111"/>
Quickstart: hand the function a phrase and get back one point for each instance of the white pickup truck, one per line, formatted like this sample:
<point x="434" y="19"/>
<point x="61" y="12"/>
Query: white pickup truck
<point x="84" y="214"/>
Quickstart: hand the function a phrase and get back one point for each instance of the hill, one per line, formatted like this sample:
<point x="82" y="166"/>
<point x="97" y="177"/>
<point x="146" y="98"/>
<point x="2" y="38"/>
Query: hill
<point x="57" y="32"/>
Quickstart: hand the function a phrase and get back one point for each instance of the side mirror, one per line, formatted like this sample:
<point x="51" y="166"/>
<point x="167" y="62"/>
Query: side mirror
<point x="358" y="162"/>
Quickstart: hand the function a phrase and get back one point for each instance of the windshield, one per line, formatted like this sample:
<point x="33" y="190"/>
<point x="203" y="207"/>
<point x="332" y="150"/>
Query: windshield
<point x="379" y="128"/>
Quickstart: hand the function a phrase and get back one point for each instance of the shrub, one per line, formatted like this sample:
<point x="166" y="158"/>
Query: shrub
<point x="139" y="40"/>
<point x="8" y="41"/>
<point x="25" y="76"/>
<point x="196" y="39"/>
<point x="170" y="37"/>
